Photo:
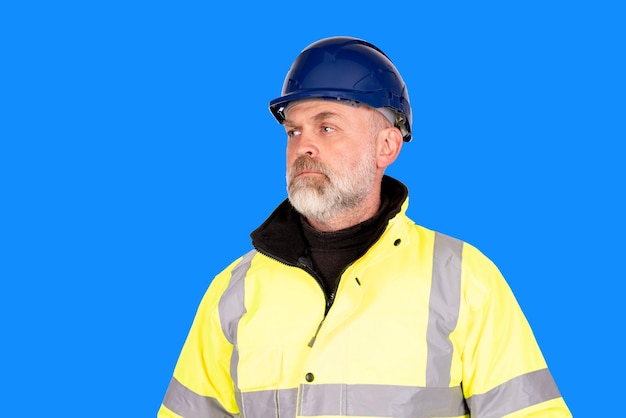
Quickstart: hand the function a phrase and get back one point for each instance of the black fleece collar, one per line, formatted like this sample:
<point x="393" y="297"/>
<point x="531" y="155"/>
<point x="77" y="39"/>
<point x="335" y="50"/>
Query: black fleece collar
<point x="281" y="236"/>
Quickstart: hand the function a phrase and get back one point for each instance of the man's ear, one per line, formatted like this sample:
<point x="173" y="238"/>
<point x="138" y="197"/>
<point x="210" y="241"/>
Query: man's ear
<point x="388" y="146"/>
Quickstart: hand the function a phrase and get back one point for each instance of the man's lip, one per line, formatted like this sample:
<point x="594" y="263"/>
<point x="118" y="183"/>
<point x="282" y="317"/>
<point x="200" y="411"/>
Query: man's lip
<point x="307" y="172"/>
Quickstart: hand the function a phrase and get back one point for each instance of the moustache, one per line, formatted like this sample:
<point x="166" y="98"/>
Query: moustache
<point x="303" y="163"/>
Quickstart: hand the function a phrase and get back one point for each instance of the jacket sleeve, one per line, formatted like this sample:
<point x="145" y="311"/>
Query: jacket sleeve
<point x="504" y="372"/>
<point x="202" y="385"/>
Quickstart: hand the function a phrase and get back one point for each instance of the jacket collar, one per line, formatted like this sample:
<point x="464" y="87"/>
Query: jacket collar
<point x="281" y="236"/>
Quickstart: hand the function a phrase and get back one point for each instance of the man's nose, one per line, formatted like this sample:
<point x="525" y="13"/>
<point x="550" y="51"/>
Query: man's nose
<point x="307" y="145"/>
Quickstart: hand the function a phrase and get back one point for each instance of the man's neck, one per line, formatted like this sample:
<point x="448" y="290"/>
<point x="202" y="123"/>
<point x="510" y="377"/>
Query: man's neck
<point x="355" y="216"/>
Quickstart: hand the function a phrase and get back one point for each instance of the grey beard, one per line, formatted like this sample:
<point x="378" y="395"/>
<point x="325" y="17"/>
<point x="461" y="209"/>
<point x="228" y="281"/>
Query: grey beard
<point x="327" y="196"/>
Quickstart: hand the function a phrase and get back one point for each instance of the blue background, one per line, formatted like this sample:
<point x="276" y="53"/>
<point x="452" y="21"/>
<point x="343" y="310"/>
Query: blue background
<point x="137" y="153"/>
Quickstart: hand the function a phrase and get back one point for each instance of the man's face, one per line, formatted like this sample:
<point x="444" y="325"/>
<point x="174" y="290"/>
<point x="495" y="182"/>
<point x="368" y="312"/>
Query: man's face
<point x="331" y="159"/>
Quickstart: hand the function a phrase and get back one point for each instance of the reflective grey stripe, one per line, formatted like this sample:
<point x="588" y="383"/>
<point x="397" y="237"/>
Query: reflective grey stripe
<point x="184" y="401"/>
<point x="269" y="403"/>
<point x="518" y="393"/>
<point x="444" y="305"/>
<point x="231" y="305"/>
<point x="357" y="400"/>
<point x="231" y="308"/>
<point x="381" y="401"/>
<point x="189" y="404"/>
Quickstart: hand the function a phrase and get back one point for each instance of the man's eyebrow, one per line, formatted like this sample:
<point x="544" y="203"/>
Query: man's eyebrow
<point x="316" y="118"/>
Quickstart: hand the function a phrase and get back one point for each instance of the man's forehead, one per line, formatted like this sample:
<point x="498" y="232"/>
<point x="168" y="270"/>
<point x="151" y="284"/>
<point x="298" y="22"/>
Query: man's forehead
<point x="323" y="108"/>
<point x="337" y="107"/>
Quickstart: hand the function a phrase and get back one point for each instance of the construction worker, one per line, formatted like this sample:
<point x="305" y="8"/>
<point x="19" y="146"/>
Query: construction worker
<point x="344" y="306"/>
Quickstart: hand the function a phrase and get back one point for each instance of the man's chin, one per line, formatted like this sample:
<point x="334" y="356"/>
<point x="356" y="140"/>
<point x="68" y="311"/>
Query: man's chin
<point x="308" y="184"/>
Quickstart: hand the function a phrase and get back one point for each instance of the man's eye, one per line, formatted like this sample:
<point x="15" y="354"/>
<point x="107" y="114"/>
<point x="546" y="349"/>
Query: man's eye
<point x="327" y="129"/>
<point x="293" y="132"/>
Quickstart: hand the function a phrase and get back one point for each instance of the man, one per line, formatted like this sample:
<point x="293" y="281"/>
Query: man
<point x="345" y="307"/>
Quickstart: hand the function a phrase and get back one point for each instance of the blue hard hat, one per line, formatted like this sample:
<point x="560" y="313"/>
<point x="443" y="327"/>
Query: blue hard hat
<point x="346" y="68"/>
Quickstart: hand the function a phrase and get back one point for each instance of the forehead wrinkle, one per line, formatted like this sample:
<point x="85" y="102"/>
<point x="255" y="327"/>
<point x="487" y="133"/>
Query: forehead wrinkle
<point x="324" y="115"/>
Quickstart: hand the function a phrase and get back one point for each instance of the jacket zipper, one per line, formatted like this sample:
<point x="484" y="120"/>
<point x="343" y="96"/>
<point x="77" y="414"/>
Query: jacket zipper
<point x="304" y="263"/>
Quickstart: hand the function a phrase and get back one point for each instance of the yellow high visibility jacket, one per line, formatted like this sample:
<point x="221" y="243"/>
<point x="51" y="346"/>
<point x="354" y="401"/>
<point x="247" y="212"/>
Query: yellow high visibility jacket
<point x="422" y="325"/>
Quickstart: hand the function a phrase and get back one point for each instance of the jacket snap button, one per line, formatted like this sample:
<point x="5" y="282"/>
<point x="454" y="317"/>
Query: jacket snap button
<point x="309" y="377"/>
